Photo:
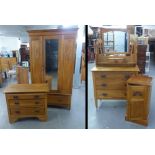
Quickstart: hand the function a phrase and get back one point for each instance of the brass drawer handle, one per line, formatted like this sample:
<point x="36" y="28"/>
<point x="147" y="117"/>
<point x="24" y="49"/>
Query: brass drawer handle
<point x="17" y="112"/>
<point x="15" y="97"/>
<point x="16" y="103"/>
<point x="36" y="111"/>
<point x="137" y="93"/>
<point x="36" y="102"/>
<point x="104" y="85"/>
<point x="36" y="96"/>
<point x="104" y="94"/>
<point x="103" y="76"/>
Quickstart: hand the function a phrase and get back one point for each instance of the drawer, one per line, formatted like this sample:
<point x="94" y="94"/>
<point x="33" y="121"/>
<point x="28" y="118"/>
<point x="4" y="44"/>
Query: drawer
<point x="27" y="111"/>
<point x="136" y="92"/>
<point x="25" y="96"/>
<point x="111" y="84"/>
<point x="54" y="99"/>
<point x="111" y="94"/>
<point x="27" y="103"/>
<point x="113" y="75"/>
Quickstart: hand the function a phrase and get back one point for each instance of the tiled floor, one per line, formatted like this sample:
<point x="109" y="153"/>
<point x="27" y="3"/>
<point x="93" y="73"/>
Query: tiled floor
<point x="58" y="118"/>
<point x="111" y="114"/>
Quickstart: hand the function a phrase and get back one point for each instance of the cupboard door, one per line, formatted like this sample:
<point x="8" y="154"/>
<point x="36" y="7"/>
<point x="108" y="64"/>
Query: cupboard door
<point x="67" y="63"/>
<point x="36" y="58"/>
<point x="137" y="109"/>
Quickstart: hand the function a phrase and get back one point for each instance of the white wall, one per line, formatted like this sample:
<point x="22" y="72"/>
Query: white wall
<point x="9" y="43"/>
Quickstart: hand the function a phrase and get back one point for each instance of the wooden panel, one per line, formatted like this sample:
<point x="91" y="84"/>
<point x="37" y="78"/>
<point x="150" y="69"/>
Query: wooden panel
<point x="68" y="60"/>
<point x="27" y="102"/>
<point x="137" y="110"/>
<point x="25" y="96"/>
<point x="36" y="60"/>
<point x="22" y="75"/>
<point x="136" y="92"/>
<point x="27" y="88"/>
<point x="27" y="111"/>
<point x="112" y="75"/>
<point x="111" y="94"/>
<point x="55" y="99"/>
<point x="110" y="84"/>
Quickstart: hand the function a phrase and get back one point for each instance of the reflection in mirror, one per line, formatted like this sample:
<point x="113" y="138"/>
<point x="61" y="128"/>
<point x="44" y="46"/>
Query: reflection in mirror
<point x="115" y="41"/>
<point x="51" y="48"/>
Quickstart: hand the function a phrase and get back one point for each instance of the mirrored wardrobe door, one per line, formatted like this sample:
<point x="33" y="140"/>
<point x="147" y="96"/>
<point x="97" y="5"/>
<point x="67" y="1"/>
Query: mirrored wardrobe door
<point x="51" y="48"/>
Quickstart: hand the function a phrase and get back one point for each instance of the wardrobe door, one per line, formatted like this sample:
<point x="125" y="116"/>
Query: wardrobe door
<point x="36" y="60"/>
<point x="68" y="60"/>
<point x="52" y="51"/>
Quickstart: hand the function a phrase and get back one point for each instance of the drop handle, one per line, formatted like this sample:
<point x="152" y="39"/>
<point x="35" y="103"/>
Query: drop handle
<point x="36" y="111"/>
<point x="16" y="103"/>
<point x="104" y="85"/>
<point x="17" y="112"/>
<point x="36" y="96"/>
<point x="36" y="102"/>
<point x="104" y="94"/>
<point x="15" y="97"/>
<point x="103" y="76"/>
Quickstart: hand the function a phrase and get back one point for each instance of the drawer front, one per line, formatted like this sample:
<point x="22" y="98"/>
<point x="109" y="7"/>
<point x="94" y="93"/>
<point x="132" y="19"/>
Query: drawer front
<point x="111" y="94"/>
<point x="25" y="96"/>
<point x="53" y="99"/>
<point x="136" y="92"/>
<point x="111" y="84"/>
<point x="27" y="111"/>
<point x="113" y="75"/>
<point x="27" y="103"/>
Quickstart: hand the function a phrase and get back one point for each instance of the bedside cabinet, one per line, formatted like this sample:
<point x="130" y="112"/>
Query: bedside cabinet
<point x="138" y="96"/>
<point x="26" y="100"/>
<point x="110" y="82"/>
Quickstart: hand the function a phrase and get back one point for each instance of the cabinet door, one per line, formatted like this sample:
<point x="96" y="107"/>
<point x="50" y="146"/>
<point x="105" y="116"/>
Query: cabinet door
<point x="36" y="58"/>
<point x="137" y="110"/>
<point x="67" y="64"/>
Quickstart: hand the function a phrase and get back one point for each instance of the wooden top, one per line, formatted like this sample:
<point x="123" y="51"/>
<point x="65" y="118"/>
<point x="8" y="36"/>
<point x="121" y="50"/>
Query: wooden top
<point x="140" y="80"/>
<point x="69" y="31"/>
<point x="115" y="69"/>
<point x="27" y="88"/>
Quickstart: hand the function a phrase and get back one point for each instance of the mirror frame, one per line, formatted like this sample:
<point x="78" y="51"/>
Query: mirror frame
<point x="104" y="30"/>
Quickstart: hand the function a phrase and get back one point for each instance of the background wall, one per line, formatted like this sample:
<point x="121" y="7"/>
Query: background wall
<point x="9" y="43"/>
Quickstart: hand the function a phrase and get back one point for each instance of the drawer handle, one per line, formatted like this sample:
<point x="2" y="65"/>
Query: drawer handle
<point x="104" y="85"/>
<point x="104" y="94"/>
<point x="103" y="76"/>
<point x="17" y="112"/>
<point x="127" y="77"/>
<point x="60" y="100"/>
<point x="36" y="96"/>
<point x="36" y="102"/>
<point x="137" y="93"/>
<point x="36" y="111"/>
<point x="16" y="103"/>
<point x="15" y="97"/>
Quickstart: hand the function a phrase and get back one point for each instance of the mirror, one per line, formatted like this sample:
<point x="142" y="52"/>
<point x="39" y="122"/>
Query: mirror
<point x="51" y="48"/>
<point x="115" y="41"/>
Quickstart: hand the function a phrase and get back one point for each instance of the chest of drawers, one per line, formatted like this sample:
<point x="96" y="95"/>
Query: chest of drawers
<point x="26" y="100"/>
<point x="138" y="96"/>
<point x="110" y="82"/>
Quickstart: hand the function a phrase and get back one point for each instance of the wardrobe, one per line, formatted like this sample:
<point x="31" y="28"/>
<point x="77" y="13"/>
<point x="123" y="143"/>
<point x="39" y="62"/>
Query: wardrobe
<point x="52" y="61"/>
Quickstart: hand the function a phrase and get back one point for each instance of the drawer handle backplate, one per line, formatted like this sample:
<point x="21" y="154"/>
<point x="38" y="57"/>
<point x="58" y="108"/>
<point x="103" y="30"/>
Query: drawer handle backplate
<point x="15" y="97"/>
<point x="36" y="96"/>
<point x="104" y="94"/>
<point x="17" y="112"/>
<point x="103" y="76"/>
<point x="137" y="93"/>
<point x="104" y="85"/>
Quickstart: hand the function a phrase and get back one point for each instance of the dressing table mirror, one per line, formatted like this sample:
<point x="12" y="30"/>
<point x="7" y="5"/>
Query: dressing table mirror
<point x="113" y="47"/>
